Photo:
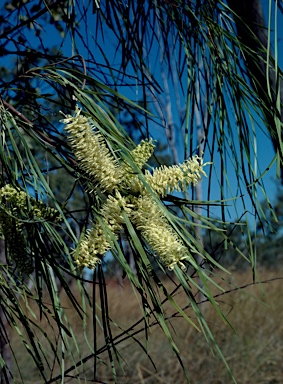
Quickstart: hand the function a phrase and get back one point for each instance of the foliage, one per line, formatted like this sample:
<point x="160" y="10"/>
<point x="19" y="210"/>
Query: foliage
<point x="185" y="61"/>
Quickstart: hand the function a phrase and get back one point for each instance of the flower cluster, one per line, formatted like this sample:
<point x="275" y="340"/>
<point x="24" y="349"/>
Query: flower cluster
<point x="14" y="204"/>
<point x="143" y="152"/>
<point x="19" y="201"/>
<point x="126" y="191"/>
<point x="96" y="242"/>
<point x="177" y="177"/>
<point x="157" y="232"/>
<point x="11" y="230"/>
<point x="14" y="196"/>
<point x="92" y="153"/>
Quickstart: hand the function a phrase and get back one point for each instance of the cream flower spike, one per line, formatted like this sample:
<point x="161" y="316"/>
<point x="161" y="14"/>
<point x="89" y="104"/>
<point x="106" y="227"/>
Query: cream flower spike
<point x="19" y="198"/>
<point x="143" y="152"/>
<point x="157" y="232"/>
<point x="91" y="248"/>
<point x="176" y="177"/>
<point x="11" y="226"/>
<point x="96" y="243"/>
<point x="91" y="152"/>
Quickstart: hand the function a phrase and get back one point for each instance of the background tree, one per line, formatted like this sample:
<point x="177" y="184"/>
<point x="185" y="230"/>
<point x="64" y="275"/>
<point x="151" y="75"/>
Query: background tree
<point x="173" y="67"/>
<point x="260" y="62"/>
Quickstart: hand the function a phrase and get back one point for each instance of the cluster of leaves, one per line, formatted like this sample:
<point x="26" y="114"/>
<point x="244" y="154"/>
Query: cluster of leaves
<point x="201" y="58"/>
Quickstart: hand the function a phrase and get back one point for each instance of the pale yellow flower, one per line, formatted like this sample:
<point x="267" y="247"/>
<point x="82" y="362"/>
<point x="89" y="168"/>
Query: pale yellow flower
<point x="143" y="152"/>
<point x="91" y="249"/>
<point x="12" y="195"/>
<point x="176" y="177"/>
<point x="157" y="232"/>
<point x="32" y="207"/>
<point x="14" y="203"/>
<point x="112" y="210"/>
<point x="95" y="243"/>
<point x="91" y="152"/>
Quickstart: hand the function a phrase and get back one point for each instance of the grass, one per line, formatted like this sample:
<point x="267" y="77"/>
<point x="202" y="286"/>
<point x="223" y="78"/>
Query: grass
<point x="254" y="352"/>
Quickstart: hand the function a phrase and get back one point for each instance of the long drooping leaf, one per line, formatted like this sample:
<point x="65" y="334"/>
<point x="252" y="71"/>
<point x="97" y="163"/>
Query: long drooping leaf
<point x="179" y="72"/>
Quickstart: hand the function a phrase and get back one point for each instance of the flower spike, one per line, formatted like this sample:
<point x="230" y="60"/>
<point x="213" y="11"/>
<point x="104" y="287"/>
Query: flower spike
<point x="91" y="151"/>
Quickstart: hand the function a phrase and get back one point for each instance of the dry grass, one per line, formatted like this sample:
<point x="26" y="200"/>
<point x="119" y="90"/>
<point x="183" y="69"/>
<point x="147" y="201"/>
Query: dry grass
<point x="254" y="352"/>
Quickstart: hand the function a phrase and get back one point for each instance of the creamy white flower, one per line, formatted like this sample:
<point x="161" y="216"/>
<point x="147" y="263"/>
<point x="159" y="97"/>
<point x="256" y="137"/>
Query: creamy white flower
<point x="176" y="177"/>
<point x="158" y="233"/>
<point x="143" y="152"/>
<point x="91" y="152"/>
